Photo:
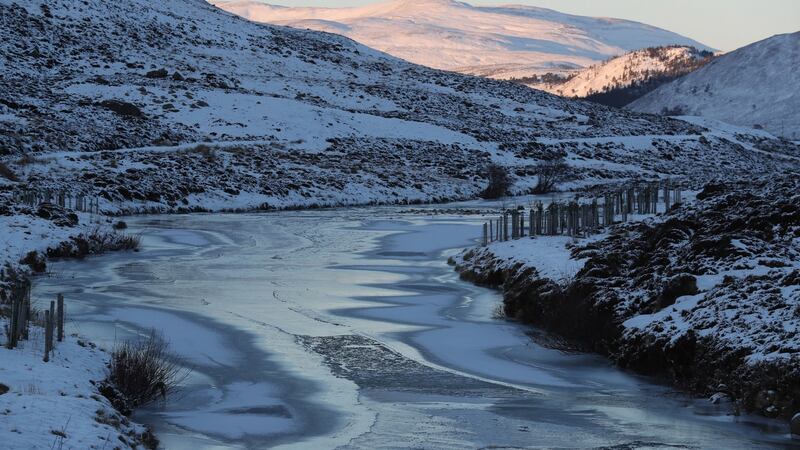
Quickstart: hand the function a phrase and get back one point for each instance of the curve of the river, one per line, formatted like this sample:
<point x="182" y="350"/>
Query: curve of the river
<point x="346" y="329"/>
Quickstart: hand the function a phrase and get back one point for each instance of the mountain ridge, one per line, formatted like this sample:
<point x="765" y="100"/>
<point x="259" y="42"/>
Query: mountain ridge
<point x="496" y="41"/>
<point x="620" y="80"/>
<point x="754" y="86"/>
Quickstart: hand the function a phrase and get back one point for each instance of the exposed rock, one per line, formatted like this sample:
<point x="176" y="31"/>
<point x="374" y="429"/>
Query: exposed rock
<point x="122" y="108"/>
<point x="160" y="73"/>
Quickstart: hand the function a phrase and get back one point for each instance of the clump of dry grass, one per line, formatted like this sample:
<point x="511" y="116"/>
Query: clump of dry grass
<point x="143" y="371"/>
<point x="95" y="242"/>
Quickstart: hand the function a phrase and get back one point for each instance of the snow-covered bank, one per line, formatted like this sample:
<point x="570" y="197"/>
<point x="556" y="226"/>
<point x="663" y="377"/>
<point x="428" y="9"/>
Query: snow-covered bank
<point x="707" y="295"/>
<point x="57" y="404"/>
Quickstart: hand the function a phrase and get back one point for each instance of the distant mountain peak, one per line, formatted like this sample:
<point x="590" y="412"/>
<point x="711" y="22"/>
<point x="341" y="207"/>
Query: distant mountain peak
<point x="621" y="80"/>
<point x="496" y="41"/>
<point x="754" y="86"/>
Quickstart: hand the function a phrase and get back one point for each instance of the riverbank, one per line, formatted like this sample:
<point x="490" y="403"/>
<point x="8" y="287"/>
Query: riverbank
<point x="57" y="404"/>
<point x="706" y="296"/>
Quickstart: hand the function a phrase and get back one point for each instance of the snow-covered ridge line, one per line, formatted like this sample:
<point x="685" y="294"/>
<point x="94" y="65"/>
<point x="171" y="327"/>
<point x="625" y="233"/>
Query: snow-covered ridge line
<point x="631" y="75"/>
<point x="495" y="41"/>
<point x="707" y="295"/>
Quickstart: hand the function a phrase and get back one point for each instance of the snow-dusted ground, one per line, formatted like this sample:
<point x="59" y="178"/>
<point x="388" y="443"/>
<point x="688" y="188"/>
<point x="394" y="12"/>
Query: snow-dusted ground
<point x="56" y="404"/>
<point x="501" y="42"/>
<point x="345" y="329"/>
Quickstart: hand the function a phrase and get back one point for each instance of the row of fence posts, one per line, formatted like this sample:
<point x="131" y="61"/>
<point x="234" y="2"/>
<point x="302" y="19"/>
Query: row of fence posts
<point x="62" y="198"/>
<point x="580" y="219"/>
<point x="22" y="314"/>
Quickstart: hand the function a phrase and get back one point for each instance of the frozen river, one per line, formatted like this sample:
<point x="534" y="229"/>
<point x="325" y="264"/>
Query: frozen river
<point x="347" y="329"/>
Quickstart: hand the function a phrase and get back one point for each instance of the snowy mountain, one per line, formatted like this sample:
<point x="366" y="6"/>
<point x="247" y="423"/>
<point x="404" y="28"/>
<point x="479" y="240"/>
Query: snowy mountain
<point x="622" y="79"/>
<point x="499" y="42"/>
<point x="754" y="86"/>
<point x="181" y="106"/>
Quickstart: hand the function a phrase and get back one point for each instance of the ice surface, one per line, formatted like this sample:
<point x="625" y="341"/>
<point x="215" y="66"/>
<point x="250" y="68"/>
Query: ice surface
<point x="240" y="295"/>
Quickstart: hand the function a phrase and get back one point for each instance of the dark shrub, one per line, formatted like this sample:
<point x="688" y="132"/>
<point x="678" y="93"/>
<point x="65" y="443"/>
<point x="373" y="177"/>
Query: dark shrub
<point x="35" y="261"/>
<point x="94" y="243"/>
<point x="550" y="172"/>
<point x="499" y="182"/>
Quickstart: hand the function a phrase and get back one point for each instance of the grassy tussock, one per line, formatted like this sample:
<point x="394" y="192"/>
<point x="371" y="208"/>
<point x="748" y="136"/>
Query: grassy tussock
<point x="96" y="242"/>
<point x="143" y="371"/>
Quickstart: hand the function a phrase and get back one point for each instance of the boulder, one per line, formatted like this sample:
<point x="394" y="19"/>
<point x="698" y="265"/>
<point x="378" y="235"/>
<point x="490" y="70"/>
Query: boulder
<point x="160" y="73"/>
<point x="795" y="424"/>
<point x="677" y="286"/>
<point x="122" y="108"/>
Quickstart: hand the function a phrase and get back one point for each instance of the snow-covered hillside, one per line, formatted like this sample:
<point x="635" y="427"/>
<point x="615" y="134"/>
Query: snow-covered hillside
<point x="112" y="99"/>
<point x="499" y="42"/>
<point x="754" y="86"/>
<point x="638" y="68"/>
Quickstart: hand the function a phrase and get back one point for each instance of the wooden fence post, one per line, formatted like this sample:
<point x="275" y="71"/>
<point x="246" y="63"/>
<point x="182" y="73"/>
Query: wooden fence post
<point x="505" y="226"/>
<point x="60" y="307"/>
<point x="26" y="312"/>
<point x="47" y="331"/>
<point x="12" y="338"/>
<point x="531" y="229"/>
<point x="515" y="225"/>
<point x="52" y="321"/>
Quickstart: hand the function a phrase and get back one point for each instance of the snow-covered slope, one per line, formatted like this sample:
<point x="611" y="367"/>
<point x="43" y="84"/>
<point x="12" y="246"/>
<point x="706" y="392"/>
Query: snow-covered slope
<point x="755" y="86"/>
<point x="111" y="99"/>
<point x="500" y="42"/>
<point x="635" y="68"/>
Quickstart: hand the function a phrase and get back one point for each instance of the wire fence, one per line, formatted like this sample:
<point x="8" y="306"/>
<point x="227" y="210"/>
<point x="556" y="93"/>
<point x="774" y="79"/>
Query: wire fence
<point x="573" y="218"/>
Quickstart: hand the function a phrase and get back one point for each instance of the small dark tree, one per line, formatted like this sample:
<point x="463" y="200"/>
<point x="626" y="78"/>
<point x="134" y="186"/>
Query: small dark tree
<point x="499" y="182"/>
<point x="550" y="172"/>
